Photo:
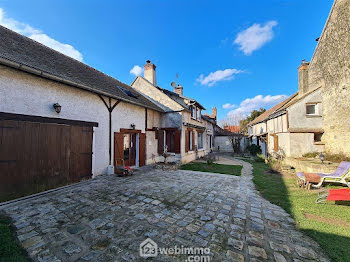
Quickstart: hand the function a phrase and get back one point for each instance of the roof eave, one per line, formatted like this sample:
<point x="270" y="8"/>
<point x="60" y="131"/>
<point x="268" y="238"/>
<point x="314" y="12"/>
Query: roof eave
<point x="52" y="77"/>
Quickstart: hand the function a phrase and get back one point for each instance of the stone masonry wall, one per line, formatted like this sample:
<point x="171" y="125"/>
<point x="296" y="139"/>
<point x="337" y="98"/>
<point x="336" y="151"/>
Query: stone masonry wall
<point x="330" y="68"/>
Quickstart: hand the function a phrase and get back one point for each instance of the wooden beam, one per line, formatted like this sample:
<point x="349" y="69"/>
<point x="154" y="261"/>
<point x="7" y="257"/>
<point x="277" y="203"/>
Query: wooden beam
<point x="41" y="119"/>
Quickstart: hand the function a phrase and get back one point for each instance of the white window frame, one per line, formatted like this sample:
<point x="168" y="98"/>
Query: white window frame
<point x="317" y="113"/>
<point x="200" y="140"/>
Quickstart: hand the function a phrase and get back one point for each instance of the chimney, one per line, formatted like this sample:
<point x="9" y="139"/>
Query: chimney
<point x="214" y="112"/>
<point x="179" y="90"/>
<point x="150" y="72"/>
<point x="303" y="76"/>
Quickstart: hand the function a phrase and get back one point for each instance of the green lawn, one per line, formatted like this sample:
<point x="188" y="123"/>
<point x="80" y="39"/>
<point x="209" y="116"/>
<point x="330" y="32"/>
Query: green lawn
<point x="213" y="168"/>
<point x="10" y="250"/>
<point x="328" y="224"/>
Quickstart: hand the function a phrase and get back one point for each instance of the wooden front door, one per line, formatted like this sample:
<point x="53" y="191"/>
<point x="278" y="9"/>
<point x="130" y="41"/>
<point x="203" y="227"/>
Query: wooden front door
<point x="127" y="149"/>
<point x="130" y="149"/>
<point x="38" y="156"/>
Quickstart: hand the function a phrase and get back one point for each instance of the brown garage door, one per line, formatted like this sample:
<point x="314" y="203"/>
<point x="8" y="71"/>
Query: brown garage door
<point x="36" y="156"/>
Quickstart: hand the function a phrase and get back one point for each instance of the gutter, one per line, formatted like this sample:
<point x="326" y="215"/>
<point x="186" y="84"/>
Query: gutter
<point x="43" y="74"/>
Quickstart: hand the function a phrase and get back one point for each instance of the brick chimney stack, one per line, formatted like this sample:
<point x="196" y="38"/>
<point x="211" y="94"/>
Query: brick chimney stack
<point x="303" y="76"/>
<point x="150" y="72"/>
<point x="214" y="112"/>
<point x="179" y="90"/>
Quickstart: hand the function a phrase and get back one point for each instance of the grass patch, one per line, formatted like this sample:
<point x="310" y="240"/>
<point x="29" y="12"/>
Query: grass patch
<point x="10" y="250"/>
<point x="328" y="224"/>
<point x="213" y="168"/>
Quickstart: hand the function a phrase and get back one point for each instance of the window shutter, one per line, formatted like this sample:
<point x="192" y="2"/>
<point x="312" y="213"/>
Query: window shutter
<point x="142" y="151"/>
<point x="187" y="142"/>
<point x="118" y="149"/>
<point x="193" y="141"/>
<point x="177" y="141"/>
<point x="160" y="142"/>
<point x="275" y="142"/>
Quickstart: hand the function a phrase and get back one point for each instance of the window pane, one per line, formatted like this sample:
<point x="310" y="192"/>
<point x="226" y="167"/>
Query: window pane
<point x="311" y="109"/>
<point x="200" y="140"/>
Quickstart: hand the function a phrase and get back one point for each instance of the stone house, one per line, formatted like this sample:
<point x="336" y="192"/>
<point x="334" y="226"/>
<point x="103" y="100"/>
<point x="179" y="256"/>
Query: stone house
<point x="62" y="121"/>
<point x="183" y="131"/>
<point x="316" y="118"/>
<point x="329" y="70"/>
<point x="257" y="129"/>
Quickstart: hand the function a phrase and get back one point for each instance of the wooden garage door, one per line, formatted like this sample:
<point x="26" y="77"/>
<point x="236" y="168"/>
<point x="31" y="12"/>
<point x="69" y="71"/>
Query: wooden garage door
<point x="41" y="156"/>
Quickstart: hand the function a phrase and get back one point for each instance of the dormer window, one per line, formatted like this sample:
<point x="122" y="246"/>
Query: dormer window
<point x="195" y="113"/>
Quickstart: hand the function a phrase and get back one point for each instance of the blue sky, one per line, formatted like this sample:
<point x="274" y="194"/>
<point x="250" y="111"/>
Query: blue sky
<point x="235" y="55"/>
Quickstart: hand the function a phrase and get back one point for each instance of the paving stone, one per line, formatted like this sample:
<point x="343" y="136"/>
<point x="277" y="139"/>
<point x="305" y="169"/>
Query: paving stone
<point x="71" y="248"/>
<point x="236" y="244"/>
<point x="279" y="257"/>
<point x="192" y="228"/>
<point x="235" y="257"/>
<point x="305" y="252"/>
<point x="257" y="252"/>
<point x="205" y="218"/>
<point x="32" y="241"/>
<point x="159" y="205"/>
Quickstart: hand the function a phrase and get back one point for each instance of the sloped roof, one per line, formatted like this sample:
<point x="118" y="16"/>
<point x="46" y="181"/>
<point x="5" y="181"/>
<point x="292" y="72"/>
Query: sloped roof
<point x="233" y="128"/>
<point x="272" y="110"/>
<point x="26" y="52"/>
<point x="180" y="99"/>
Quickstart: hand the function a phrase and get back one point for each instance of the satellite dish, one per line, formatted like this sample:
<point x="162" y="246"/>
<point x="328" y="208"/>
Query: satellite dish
<point x="173" y="84"/>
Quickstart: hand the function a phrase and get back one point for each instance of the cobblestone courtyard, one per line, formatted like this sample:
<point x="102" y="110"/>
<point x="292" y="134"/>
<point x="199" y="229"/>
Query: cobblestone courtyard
<point x="106" y="219"/>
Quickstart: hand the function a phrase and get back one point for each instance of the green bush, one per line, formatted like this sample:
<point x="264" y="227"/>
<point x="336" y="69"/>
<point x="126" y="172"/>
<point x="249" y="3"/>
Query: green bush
<point x="260" y="158"/>
<point x="254" y="149"/>
<point x="337" y="158"/>
<point x="311" y="155"/>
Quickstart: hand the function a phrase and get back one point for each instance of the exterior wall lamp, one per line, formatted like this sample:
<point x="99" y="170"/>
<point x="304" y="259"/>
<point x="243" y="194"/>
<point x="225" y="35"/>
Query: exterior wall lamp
<point x="57" y="107"/>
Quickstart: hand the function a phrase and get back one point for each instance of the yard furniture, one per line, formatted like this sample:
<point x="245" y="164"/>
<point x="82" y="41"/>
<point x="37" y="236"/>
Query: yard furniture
<point x="340" y="176"/>
<point x="123" y="170"/>
<point x="338" y="195"/>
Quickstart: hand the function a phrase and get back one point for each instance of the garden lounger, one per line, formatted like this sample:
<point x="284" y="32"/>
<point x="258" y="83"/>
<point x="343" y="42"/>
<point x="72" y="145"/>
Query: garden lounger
<point x="337" y="195"/>
<point x="340" y="176"/>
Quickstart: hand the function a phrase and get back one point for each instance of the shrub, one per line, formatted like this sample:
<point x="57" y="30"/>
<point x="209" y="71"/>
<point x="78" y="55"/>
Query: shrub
<point x="337" y="158"/>
<point x="260" y="158"/>
<point x="210" y="161"/>
<point x="311" y="155"/>
<point x="254" y="149"/>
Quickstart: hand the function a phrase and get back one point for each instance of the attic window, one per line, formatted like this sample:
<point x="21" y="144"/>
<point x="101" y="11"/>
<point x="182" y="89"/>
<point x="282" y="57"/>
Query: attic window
<point x="128" y="92"/>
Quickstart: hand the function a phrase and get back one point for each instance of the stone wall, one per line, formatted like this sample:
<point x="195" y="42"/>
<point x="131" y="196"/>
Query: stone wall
<point x="330" y="69"/>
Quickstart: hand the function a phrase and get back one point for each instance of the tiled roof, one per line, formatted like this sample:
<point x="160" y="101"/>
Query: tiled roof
<point x="234" y="129"/>
<point x="27" y="52"/>
<point x="272" y="110"/>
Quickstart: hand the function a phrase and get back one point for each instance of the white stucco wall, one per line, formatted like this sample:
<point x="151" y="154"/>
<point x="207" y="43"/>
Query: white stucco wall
<point x="278" y="124"/>
<point x="223" y="144"/>
<point x="297" y="112"/>
<point x="22" y="93"/>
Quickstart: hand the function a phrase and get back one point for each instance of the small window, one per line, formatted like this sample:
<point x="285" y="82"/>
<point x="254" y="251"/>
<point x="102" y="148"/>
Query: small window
<point x="311" y="109"/>
<point x="193" y="112"/>
<point x="318" y="137"/>
<point x="200" y="140"/>
<point x="191" y="140"/>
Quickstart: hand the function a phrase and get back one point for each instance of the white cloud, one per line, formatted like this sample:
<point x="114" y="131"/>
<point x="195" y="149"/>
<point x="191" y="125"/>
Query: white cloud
<point x="254" y="37"/>
<point x="228" y="106"/>
<point x="136" y="70"/>
<point x="39" y="36"/>
<point x="220" y="75"/>
<point x="250" y="104"/>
